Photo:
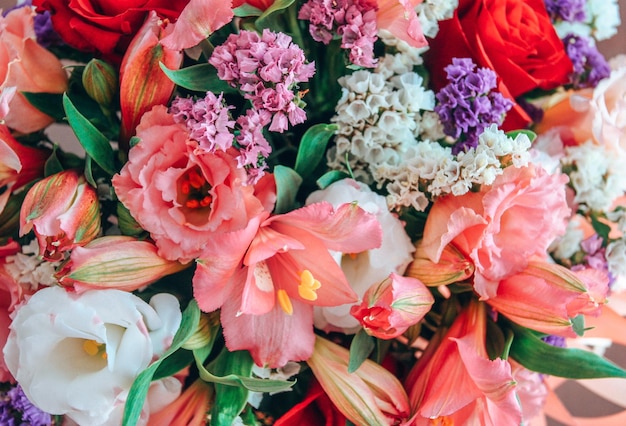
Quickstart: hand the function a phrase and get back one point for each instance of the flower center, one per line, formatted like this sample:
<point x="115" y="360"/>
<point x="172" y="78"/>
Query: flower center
<point x="308" y="285"/>
<point x="93" y="348"/>
<point x="194" y="190"/>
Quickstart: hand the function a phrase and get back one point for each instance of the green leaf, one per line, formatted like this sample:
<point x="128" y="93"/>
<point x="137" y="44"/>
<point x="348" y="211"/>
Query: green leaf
<point x="93" y="141"/>
<point x="230" y="400"/>
<point x="361" y="347"/>
<point x="287" y="184"/>
<point x="127" y="223"/>
<point x="578" y="324"/>
<point x="331" y="177"/>
<point x="250" y="383"/>
<point x="246" y="10"/>
<point x="88" y="172"/>
<point x="601" y="228"/>
<point x="534" y="354"/>
<point x="139" y="389"/>
<point x="48" y="103"/>
<point x="199" y="78"/>
<point x="173" y="364"/>
<point x="312" y="148"/>
<point x="531" y="135"/>
<point x="53" y="164"/>
<point x="265" y="20"/>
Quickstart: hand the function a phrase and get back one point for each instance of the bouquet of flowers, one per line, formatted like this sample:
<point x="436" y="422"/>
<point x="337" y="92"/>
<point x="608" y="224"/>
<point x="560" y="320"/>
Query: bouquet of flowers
<point x="369" y="212"/>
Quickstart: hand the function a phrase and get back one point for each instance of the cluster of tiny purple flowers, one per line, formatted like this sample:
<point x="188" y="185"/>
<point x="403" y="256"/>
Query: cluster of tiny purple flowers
<point x="353" y="20"/>
<point x="17" y="410"/>
<point x="589" y="65"/>
<point x="468" y="104"/>
<point x="267" y="69"/>
<point x="566" y="10"/>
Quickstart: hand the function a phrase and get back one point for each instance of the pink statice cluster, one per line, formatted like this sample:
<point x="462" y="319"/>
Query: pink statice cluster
<point x="210" y="123"/>
<point x="353" y="20"/>
<point x="267" y="68"/>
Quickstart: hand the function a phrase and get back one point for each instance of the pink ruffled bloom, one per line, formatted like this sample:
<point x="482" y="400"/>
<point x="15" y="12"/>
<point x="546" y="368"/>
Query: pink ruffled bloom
<point x="19" y="164"/>
<point x="389" y="308"/>
<point x="25" y="66"/>
<point x="501" y="227"/>
<point x="185" y="197"/>
<point x="456" y="382"/>
<point x="11" y="293"/>
<point x="267" y="295"/>
<point x="63" y="211"/>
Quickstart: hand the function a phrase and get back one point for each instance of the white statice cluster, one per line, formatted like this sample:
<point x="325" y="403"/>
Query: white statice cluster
<point x="602" y="18"/>
<point x="568" y="245"/>
<point x="379" y="117"/>
<point x="596" y="174"/>
<point x="429" y="170"/>
<point x="616" y="261"/>
<point x="29" y="270"/>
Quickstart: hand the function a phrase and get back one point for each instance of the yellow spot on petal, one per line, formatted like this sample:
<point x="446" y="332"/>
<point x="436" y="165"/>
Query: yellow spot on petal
<point x="308" y="285"/>
<point x="284" y="301"/>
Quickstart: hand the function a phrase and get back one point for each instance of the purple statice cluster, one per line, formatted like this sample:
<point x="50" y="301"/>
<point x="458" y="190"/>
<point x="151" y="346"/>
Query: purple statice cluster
<point x="590" y="66"/>
<point x="209" y="122"/>
<point x="266" y="69"/>
<point x="594" y="257"/>
<point x="353" y="20"/>
<point x="46" y="35"/>
<point x="468" y="105"/>
<point x="17" y="410"/>
<point x="566" y="10"/>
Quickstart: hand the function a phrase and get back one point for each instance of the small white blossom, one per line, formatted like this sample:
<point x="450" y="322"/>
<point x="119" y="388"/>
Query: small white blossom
<point x="569" y="244"/>
<point x="616" y="260"/>
<point x="30" y="270"/>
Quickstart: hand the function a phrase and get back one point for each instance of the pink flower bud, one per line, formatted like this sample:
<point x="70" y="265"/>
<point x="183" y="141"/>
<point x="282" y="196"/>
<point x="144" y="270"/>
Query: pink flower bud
<point x="139" y="94"/>
<point x="453" y="266"/>
<point x="389" y="308"/>
<point x="64" y="212"/>
<point x="119" y="262"/>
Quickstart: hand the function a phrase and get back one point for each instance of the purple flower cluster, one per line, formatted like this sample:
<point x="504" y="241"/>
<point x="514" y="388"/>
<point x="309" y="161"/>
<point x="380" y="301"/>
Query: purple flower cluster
<point x="589" y="65"/>
<point x="209" y="123"/>
<point x="566" y="10"/>
<point x="266" y="69"/>
<point x="595" y="256"/>
<point x="17" y="410"/>
<point x="468" y="104"/>
<point x="353" y="20"/>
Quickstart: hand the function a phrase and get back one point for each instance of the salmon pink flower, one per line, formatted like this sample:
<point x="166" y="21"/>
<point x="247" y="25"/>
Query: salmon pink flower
<point x="453" y="266"/>
<point x="19" y="164"/>
<point x="389" y="308"/>
<point x="483" y="391"/>
<point x="287" y="269"/>
<point x="63" y="210"/>
<point x="189" y="409"/>
<point x="186" y="197"/>
<point x="501" y="227"/>
<point x="119" y="262"/>
<point x="139" y="94"/>
<point x="369" y="396"/>
<point x="400" y="19"/>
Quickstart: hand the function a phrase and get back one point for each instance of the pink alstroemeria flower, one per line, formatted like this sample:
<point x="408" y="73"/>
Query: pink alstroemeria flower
<point x="400" y="19"/>
<point x="390" y="307"/>
<point x="139" y="94"/>
<point x="483" y="391"/>
<point x="64" y="212"/>
<point x="267" y="296"/>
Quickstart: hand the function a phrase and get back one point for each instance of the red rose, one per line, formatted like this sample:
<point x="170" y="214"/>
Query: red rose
<point x="105" y="26"/>
<point x="514" y="38"/>
<point x="316" y="409"/>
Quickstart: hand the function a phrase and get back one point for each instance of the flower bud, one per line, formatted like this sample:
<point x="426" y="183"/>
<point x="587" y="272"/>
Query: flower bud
<point x="64" y="212"/>
<point x="389" y="308"/>
<point x="100" y="82"/>
<point x="452" y="267"/>
<point x="118" y="262"/>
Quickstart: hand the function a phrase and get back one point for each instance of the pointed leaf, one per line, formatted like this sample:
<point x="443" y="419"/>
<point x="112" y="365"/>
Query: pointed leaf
<point x="230" y="400"/>
<point x="531" y="135"/>
<point x="199" y="78"/>
<point x="48" y="103"/>
<point x="264" y="21"/>
<point x="287" y="185"/>
<point x="95" y="143"/>
<point x="534" y="354"/>
<point x="331" y="177"/>
<point x="313" y="147"/>
<point x="53" y="164"/>
<point x="139" y="389"/>
<point x="361" y="347"/>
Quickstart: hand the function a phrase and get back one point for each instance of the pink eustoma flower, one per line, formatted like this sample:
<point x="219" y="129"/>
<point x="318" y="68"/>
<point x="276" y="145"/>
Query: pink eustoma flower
<point x="455" y="382"/>
<point x="63" y="211"/>
<point x="267" y="295"/>
<point x="389" y="308"/>
<point x="501" y="227"/>
<point x="19" y="164"/>
<point x="184" y="196"/>
<point x="142" y="82"/>
<point x="120" y="262"/>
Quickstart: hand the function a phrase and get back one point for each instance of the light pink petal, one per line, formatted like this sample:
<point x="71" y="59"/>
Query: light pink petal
<point x="258" y="296"/>
<point x="273" y="339"/>
<point x="198" y="20"/>
<point x="400" y="19"/>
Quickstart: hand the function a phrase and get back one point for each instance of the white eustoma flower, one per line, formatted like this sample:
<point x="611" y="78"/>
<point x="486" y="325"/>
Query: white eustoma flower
<point x="364" y="269"/>
<point x="78" y="354"/>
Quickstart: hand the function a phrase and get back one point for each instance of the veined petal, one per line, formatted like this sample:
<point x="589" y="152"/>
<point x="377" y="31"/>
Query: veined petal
<point x="453" y="266"/>
<point x="400" y="19"/>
